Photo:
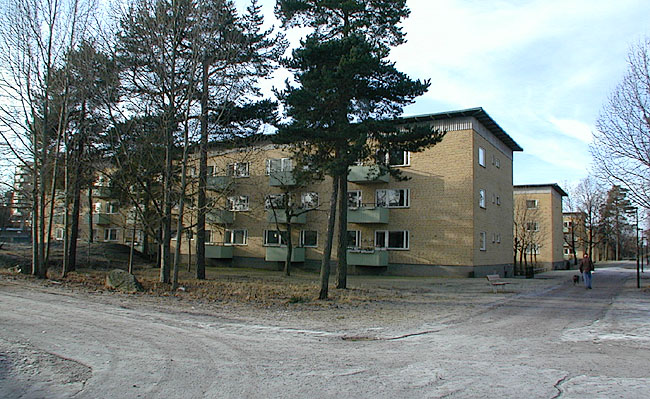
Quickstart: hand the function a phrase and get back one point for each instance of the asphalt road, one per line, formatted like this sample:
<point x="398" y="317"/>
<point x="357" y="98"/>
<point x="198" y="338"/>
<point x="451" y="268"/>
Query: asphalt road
<point x="561" y="342"/>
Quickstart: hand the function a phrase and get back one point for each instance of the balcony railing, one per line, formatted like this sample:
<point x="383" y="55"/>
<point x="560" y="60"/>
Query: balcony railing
<point x="218" y="183"/>
<point x="369" y="257"/>
<point x="279" y="254"/>
<point x="368" y="214"/>
<point x="218" y="251"/>
<point x="220" y="216"/>
<point x="366" y="174"/>
<point x="282" y="178"/>
<point x="101" y="218"/>
<point x="102" y="192"/>
<point x="279" y="216"/>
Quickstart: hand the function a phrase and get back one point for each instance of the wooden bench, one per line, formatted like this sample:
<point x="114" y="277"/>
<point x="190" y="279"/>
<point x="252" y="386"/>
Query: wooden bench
<point x="495" y="281"/>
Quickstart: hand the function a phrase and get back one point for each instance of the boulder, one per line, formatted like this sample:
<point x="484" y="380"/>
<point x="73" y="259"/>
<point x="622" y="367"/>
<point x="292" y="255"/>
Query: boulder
<point x="123" y="281"/>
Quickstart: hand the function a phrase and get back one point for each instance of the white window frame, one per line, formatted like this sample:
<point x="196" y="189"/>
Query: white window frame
<point x="112" y="208"/>
<point x="534" y="224"/>
<point x="280" y="235"/>
<point x="532" y="249"/>
<point x="498" y="200"/>
<point x="358" y="201"/>
<point x="238" y="170"/>
<point x="97" y="207"/>
<point x="107" y="234"/>
<point x="404" y="192"/>
<point x="307" y="200"/>
<point x="482" y="241"/>
<point x="567" y="251"/>
<point x="209" y="236"/>
<point x="405" y="154"/>
<point x="238" y="203"/>
<point x="229" y="237"/>
<point x="286" y="165"/>
<point x="58" y="234"/>
<point x="481" y="156"/>
<point x="481" y="198"/>
<point x="387" y="233"/>
<point x="357" y="238"/>
<point x="270" y="201"/>
<point x="534" y="202"/>
<point x="302" y="239"/>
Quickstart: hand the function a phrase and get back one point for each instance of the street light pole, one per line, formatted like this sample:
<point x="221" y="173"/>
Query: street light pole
<point x="636" y="226"/>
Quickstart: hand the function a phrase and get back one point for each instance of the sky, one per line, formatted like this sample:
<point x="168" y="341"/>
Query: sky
<point x="542" y="69"/>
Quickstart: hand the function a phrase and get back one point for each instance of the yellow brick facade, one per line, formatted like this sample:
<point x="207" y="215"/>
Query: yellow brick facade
<point x="450" y="231"/>
<point x="546" y="216"/>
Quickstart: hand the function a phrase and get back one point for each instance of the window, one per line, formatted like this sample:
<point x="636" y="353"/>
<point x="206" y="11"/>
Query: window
<point x="354" y="238"/>
<point x="354" y="199"/>
<point x="496" y="238"/>
<point x="482" y="241"/>
<point x="58" y="235"/>
<point x="309" y="200"/>
<point x="567" y="251"/>
<point x="567" y="224"/>
<point x="393" y="198"/>
<point x="278" y="165"/>
<point x="211" y="170"/>
<point x="110" y="235"/>
<point x="238" y="169"/>
<point x="208" y="236"/>
<point x="531" y="204"/>
<point x="274" y="237"/>
<point x="498" y="200"/>
<point x="392" y="239"/>
<point x="497" y="162"/>
<point x="481" y="198"/>
<point x="235" y="237"/>
<point x="309" y="238"/>
<point x="274" y="201"/>
<point x="532" y="226"/>
<point x="532" y="249"/>
<point x="97" y="207"/>
<point x="238" y="203"/>
<point x="481" y="156"/>
<point x="112" y="207"/>
<point x="399" y="158"/>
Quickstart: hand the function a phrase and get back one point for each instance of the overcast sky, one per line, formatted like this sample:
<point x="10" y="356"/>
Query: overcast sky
<point x="543" y="69"/>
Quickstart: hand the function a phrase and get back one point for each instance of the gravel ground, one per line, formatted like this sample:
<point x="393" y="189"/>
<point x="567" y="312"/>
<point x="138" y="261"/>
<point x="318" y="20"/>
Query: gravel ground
<point x="422" y="338"/>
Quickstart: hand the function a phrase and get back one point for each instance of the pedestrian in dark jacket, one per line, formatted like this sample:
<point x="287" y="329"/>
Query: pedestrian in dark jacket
<point x="586" y="267"/>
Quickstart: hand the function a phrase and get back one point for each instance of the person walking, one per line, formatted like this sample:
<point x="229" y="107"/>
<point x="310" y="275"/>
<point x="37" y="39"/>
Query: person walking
<point x="586" y="267"/>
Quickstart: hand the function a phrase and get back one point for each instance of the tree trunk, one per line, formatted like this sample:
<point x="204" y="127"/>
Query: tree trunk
<point x="342" y="268"/>
<point x="287" y="261"/>
<point x="327" y="253"/>
<point x="203" y="172"/>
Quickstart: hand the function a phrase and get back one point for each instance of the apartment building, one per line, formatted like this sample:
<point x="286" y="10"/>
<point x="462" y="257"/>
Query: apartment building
<point x="452" y="217"/>
<point x="574" y="236"/>
<point x="539" y="223"/>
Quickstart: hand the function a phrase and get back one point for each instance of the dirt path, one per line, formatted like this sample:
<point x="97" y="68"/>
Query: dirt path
<point x="552" y="340"/>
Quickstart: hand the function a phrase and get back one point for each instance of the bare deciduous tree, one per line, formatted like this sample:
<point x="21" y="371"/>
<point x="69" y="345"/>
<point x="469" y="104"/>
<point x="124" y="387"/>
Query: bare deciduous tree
<point x="621" y="147"/>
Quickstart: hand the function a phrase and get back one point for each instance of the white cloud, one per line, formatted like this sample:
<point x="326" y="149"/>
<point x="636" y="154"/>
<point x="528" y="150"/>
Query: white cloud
<point x="573" y="128"/>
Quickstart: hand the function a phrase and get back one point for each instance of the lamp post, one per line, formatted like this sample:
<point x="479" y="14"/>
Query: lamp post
<point x="629" y="210"/>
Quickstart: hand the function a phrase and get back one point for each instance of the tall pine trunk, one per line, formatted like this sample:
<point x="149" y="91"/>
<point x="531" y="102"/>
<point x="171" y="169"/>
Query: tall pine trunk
<point x="342" y="265"/>
<point x="203" y="172"/>
<point x="327" y="254"/>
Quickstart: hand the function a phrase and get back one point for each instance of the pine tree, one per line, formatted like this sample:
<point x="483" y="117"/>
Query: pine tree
<point x="347" y="96"/>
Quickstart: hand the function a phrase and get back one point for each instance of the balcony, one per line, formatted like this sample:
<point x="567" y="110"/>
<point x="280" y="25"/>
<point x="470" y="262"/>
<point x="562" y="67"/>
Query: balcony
<point x="368" y="214"/>
<point x="101" y="218"/>
<point x="218" y="251"/>
<point x="283" y="178"/>
<point x="282" y="217"/>
<point x="279" y="254"/>
<point x="371" y="257"/>
<point x="102" y="192"/>
<point x="366" y="175"/>
<point x="218" y="183"/>
<point x="220" y="216"/>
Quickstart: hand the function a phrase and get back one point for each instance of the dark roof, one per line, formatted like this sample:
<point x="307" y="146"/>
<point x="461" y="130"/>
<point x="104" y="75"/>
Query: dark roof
<point x="478" y="113"/>
<point x="554" y="186"/>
